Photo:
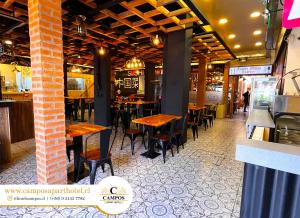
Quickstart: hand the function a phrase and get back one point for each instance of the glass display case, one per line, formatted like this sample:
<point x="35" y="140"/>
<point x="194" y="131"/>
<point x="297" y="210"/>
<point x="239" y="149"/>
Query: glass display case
<point x="263" y="93"/>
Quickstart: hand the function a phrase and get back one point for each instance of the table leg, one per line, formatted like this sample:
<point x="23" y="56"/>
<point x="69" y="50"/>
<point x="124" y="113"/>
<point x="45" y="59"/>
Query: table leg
<point x="78" y="146"/>
<point x="82" y="110"/>
<point x="76" y="105"/>
<point x="151" y="153"/>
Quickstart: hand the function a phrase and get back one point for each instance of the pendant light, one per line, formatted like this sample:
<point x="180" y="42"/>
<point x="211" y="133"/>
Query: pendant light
<point x="156" y="40"/>
<point x="134" y="63"/>
<point x="81" y="28"/>
<point x="101" y="50"/>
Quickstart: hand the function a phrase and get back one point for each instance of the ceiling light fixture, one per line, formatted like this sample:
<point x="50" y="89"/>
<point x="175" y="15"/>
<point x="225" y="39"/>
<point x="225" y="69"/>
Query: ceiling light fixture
<point x="101" y="50"/>
<point x="8" y="42"/>
<point x="81" y="28"/>
<point x="134" y="63"/>
<point x="257" y="32"/>
<point x="156" y="40"/>
<point x="237" y="46"/>
<point x="231" y="36"/>
<point x="255" y="14"/>
<point x="223" y="21"/>
<point x="258" y="43"/>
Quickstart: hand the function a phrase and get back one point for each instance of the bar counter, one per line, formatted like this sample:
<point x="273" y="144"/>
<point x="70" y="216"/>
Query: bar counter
<point x="16" y="121"/>
<point x="271" y="185"/>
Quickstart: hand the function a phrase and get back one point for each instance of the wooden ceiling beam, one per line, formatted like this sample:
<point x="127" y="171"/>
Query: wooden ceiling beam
<point x="163" y="10"/>
<point x="188" y="20"/>
<point x="136" y="3"/>
<point x="151" y="13"/>
<point x="124" y="21"/>
<point x="8" y="3"/>
<point x="165" y="2"/>
<point x="179" y="12"/>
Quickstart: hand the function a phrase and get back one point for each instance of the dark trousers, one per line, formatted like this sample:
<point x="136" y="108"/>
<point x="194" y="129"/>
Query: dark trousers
<point x="245" y="106"/>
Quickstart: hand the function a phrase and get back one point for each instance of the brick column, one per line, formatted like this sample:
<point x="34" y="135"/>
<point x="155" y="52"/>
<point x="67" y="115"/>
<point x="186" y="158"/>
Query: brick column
<point x="46" y="51"/>
<point x="226" y="86"/>
<point x="201" y="85"/>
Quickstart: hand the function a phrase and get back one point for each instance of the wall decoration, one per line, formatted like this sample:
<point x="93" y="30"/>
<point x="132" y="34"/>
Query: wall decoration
<point x="126" y="84"/>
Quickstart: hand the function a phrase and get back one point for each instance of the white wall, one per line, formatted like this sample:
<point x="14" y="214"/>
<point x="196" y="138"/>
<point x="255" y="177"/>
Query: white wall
<point x="293" y="61"/>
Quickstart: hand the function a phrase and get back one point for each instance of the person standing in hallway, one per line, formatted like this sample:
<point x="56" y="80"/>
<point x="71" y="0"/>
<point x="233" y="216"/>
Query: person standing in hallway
<point x="246" y="96"/>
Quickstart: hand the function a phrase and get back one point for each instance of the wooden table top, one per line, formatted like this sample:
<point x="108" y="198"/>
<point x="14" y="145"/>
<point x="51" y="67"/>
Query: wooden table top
<point x="75" y="98"/>
<point x="196" y="108"/>
<point x="156" y="120"/>
<point x="83" y="129"/>
<point x="137" y="102"/>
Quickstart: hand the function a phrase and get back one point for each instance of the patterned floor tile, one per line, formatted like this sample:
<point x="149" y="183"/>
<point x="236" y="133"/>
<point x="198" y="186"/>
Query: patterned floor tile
<point x="202" y="180"/>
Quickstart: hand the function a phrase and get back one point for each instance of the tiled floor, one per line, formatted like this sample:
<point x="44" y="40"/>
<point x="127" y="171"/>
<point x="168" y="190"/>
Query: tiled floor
<point x="203" y="180"/>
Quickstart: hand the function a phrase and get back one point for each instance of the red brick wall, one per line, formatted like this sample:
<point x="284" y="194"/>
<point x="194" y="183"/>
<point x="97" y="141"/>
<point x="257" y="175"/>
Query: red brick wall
<point x="46" y="51"/>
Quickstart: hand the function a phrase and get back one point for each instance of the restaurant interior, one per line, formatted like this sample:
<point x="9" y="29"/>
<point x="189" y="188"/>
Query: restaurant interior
<point x="195" y="103"/>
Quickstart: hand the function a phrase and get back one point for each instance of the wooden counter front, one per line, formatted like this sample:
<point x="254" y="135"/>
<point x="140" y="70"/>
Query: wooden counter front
<point x="16" y="124"/>
<point x="21" y="121"/>
<point x="5" y="150"/>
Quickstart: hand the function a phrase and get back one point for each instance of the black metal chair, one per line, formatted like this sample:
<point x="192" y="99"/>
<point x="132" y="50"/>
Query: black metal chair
<point x="165" y="140"/>
<point x="203" y="120"/>
<point x="179" y="133"/>
<point x="209" y="116"/>
<point x="131" y="133"/>
<point x="193" y="122"/>
<point x="92" y="157"/>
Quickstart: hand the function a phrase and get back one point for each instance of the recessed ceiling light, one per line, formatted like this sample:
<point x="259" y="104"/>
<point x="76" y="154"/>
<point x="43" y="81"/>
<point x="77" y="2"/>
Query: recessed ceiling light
<point x="257" y="32"/>
<point x="258" y="43"/>
<point x="255" y="14"/>
<point x="8" y="42"/>
<point x="237" y="46"/>
<point x="223" y="21"/>
<point x="231" y="36"/>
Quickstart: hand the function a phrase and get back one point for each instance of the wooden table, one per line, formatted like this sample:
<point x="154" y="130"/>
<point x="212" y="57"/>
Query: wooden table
<point x="196" y="108"/>
<point x="151" y="122"/>
<point x="77" y="131"/>
<point x="81" y="101"/>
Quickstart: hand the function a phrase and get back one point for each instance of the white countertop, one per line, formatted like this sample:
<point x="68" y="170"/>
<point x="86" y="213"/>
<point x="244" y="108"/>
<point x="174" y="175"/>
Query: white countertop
<point x="260" y="118"/>
<point x="268" y="154"/>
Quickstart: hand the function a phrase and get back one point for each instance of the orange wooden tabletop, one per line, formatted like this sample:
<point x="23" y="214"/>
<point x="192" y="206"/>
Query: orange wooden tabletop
<point x="156" y="120"/>
<point x="196" y="108"/>
<point x="136" y="102"/>
<point x="83" y="129"/>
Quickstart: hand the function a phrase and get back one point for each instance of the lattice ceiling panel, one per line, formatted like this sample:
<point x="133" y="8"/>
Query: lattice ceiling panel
<point x="124" y="27"/>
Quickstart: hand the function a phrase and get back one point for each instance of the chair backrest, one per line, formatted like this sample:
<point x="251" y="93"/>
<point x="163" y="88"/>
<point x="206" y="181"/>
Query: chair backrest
<point x="184" y="124"/>
<point x="125" y="116"/>
<point x="105" y="150"/>
<point x="172" y="127"/>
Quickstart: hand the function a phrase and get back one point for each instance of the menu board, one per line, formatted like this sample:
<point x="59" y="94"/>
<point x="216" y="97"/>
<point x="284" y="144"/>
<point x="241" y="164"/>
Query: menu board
<point x="126" y="84"/>
<point x="252" y="70"/>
